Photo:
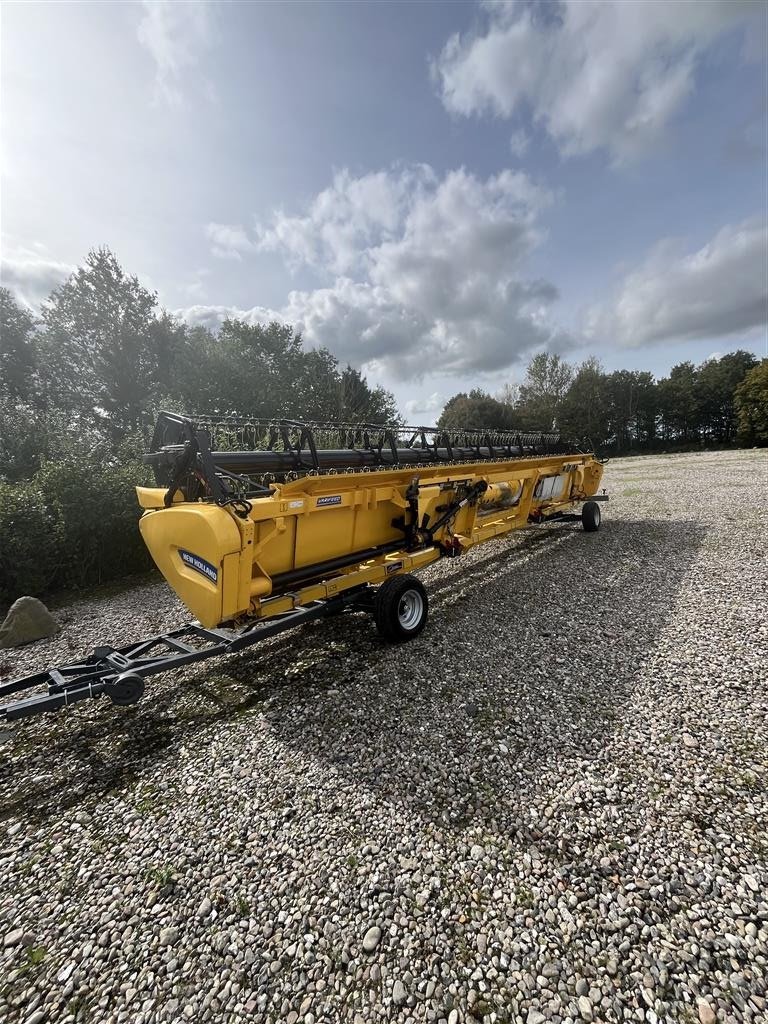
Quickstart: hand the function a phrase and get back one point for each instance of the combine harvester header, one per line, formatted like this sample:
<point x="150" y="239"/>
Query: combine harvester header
<point x="261" y="525"/>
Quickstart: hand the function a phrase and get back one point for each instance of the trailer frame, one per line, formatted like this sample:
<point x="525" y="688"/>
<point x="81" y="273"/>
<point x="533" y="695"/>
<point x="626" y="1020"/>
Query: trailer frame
<point x="119" y="672"/>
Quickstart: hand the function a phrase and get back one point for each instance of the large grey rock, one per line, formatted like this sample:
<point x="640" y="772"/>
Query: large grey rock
<point x="28" y="619"/>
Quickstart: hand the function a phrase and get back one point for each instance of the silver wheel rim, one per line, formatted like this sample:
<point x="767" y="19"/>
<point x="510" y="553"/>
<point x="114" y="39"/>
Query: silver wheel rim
<point x="597" y="516"/>
<point x="410" y="609"/>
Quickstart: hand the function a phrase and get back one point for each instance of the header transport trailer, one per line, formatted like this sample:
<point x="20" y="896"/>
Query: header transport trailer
<point x="261" y="525"/>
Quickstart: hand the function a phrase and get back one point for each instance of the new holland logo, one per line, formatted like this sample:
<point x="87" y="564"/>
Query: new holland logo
<point x="199" y="565"/>
<point x="329" y="499"/>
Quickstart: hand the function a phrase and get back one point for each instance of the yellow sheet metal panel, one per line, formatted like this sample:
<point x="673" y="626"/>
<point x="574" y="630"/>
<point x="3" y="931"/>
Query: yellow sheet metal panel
<point x="189" y="544"/>
<point x="325" y="533"/>
<point x="275" y="548"/>
<point x="153" y="497"/>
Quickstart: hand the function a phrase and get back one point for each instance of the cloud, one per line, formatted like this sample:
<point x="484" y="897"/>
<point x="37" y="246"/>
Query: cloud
<point x="230" y="241"/>
<point x="427" y="406"/>
<point x="597" y="74"/>
<point x="32" y="275"/>
<point x="718" y="291"/>
<point x="424" y="273"/>
<point x="345" y="219"/>
<point x="213" y="317"/>
<point x="175" y="32"/>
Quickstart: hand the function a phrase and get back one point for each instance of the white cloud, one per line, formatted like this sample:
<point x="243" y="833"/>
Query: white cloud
<point x="230" y="241"/>
<point x="425" y="274"/>
<point x="428" y="406"/>
<point x="718" y="291"/>
<point x="595" y="73"/>
<point x="213" y="317"/>
<point x="32" y="275"/>
<point x="175" y="32"/>
<point x="343" y="220"/>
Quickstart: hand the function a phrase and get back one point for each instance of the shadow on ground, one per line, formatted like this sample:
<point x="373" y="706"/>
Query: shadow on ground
<point x="534" y="645"/>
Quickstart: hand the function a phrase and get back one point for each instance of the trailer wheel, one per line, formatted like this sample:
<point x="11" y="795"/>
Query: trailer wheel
<point x="400" y="608"/>
<point x="590" y="516"/>
<point x="126" y="689"/>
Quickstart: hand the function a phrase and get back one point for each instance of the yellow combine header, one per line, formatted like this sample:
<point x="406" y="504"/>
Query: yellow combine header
<point x="260" y="525"/>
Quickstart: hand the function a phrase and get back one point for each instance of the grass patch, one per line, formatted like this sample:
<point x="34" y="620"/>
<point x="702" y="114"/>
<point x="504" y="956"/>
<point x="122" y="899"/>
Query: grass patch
<point x="36" y="955"/>
<point x="78" y="1008"/>
<point x="524" y="896"/>
<point x="162" y="875"/>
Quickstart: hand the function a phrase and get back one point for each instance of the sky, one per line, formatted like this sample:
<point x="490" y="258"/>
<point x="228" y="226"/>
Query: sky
<point x="435" y="192"/>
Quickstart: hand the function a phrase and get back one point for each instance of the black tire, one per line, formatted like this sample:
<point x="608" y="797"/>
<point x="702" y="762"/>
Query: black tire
<point x="126" y="689"/>
<point x="400" y="608"/>
<point x="590" y="516"/>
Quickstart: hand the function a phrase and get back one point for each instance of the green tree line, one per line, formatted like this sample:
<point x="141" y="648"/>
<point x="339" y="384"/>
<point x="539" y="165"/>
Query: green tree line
<point x="723" y="401"/>
<point x="80" y="389"/>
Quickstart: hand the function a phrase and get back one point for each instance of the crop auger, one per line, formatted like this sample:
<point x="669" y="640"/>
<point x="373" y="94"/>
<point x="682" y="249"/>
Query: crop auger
<point x="261" y="525"/>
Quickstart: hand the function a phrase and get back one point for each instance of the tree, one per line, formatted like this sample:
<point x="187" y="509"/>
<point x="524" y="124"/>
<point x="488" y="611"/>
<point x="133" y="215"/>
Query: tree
<point x="264" y="370"/>
<point x="546" y="383"/>
<point x="359" y="404"/>
<point x="678" y="403"/>
<point x="105" y="353"/>
<point x="17" y="348"/>
<point x="715" y="389"/>
<point x="585" y="409"/>
<point x="477" y="409"/>
<point x="256" y="369"/>
<point x="509" y="393"/>
<point x="631" y="395"/>
<point x="751" y="403"/>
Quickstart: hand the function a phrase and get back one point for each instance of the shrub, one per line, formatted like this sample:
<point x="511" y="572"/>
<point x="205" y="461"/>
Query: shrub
<point x="30" y="540"/>
<point x="75" y="523"/>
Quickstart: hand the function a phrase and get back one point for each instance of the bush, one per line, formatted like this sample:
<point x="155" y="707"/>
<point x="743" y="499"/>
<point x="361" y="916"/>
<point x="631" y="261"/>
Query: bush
<point x="74" y="523"/>
<point x="30" y="540"/>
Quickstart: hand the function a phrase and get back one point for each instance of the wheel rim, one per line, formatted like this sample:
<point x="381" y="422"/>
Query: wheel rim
<point x="410" y="609"/>
<point x="597" y="515"/>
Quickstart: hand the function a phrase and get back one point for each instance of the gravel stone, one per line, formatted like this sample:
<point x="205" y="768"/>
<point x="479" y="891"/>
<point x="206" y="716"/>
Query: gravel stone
<point x="706" y="1014"/>
<point x="528" y="832"/>
<point x="371" y="939"/>
<point x="399" y="993"/>
<point x="585" y="1007"/>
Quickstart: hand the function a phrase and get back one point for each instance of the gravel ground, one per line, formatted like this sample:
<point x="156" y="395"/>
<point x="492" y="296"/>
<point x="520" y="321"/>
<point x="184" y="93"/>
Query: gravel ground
<point x="551" y="806"/>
